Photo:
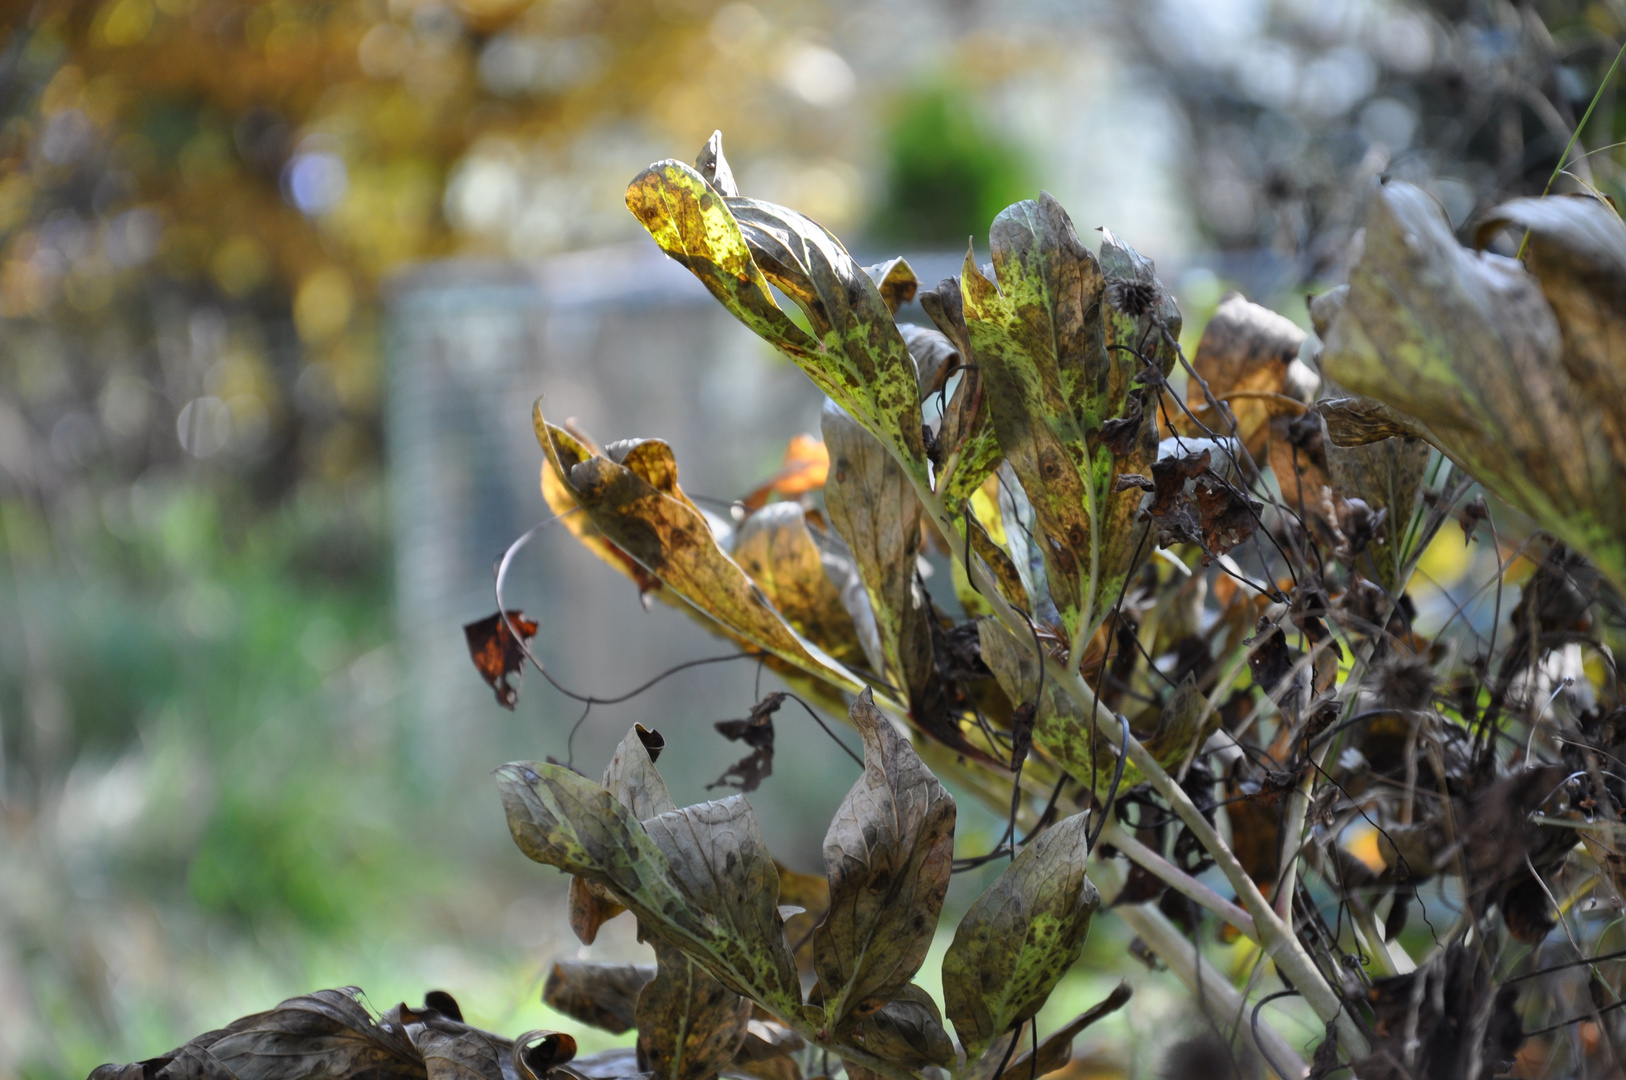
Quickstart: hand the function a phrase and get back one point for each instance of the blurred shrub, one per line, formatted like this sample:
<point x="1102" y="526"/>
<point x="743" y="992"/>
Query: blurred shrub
<point x="949" y="171"/>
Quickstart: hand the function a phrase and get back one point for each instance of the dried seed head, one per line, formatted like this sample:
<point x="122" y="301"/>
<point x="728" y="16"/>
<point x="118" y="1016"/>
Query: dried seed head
<point x="1133" y="298"/>
<point x="1405" y="682"/>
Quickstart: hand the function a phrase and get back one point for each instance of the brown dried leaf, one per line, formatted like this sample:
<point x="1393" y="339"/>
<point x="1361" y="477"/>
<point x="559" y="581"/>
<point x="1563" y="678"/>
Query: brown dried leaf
<point x="604" y="996"/>
<point x="887" y="855"/>
<point x="671" y="539"/>
<point x="1244" y="347"/>
<point x="690" y="1026"/>
<point x="776" y="548"/>
<point x="803" y="469"/>
<point x="332" y="1035"/>
<point x="1057" y="1048"/>
<point x="497" y="653"/>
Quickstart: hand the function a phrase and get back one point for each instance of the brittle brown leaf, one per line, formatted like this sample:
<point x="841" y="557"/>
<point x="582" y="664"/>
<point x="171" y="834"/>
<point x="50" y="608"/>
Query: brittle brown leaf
<point x="690" y="1026"/>
<point x="1057" y="1048"/>
<point x="672" y="540"/>
<point x="887" y="854"/>
<point x="1020" y="937"/>
<point x="604" y="996"/>
<point x="1244" y="347"/>
<point x="332" y="1034"/>
<point x="775" y="547"/>
<point x="497" y="653"/>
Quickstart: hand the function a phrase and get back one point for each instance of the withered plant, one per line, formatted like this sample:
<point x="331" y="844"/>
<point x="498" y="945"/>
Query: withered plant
<point x="1185" y="664"/>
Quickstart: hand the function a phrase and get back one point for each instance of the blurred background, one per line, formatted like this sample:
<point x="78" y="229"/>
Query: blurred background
<point x="279" y="281"/>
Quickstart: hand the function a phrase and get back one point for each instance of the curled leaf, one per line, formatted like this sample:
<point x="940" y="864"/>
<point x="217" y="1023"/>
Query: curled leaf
<point x="1246" y="349"/>
<point x="1514" y="377"/>
<point x="670" y="538"/>
<point x="497" y="653"/>
<point x="602" y="995"/>
<point x="735" y="246"/>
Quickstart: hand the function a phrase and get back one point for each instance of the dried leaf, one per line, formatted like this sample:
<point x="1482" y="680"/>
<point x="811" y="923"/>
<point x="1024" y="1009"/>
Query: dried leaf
<point x="1057" y="1048"/>
<point x="887" y="855"/>
<point x="803" y="469"/>
<point x="854" y="354"/>
<point x="690" y="1026"/>
<point x="672" y="540"/>
<point x="1515" y="379"/>
<point x="332" y="1035"/>
<point x="698" y="878"/>
<point x="1020" y="937"/>
<point x="873" y="506"/>
<point x="602" y="995"/>
<point x="630" y="777"/>
<point x="906" y="1031"/>
<point x="497" y="653"/>
<point x="895" y="280"/>
<point x="1244" y="347"/>
<point x="775" y="547"/>
<point x="1044" y="340"/>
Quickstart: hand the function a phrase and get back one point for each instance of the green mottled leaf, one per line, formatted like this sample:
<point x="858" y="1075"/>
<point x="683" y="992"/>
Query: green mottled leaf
<point x="1041" y="336"/>
<point x="736" y="246"/>
<point x="969" y="450"/>
<point x="887" y="854"/>
<point x="1513" y="377"/>
<point x="699" y="878"/>
<point x="1020" y="937"/>
<point x="690" y="1026"/>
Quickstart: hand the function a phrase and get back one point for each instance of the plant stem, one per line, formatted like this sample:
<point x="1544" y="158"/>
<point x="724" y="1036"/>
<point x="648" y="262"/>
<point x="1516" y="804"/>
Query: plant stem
<point x="1209" y="984"/>
<point x="1574" y="135"/>
<point x="1178" y="879"/>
